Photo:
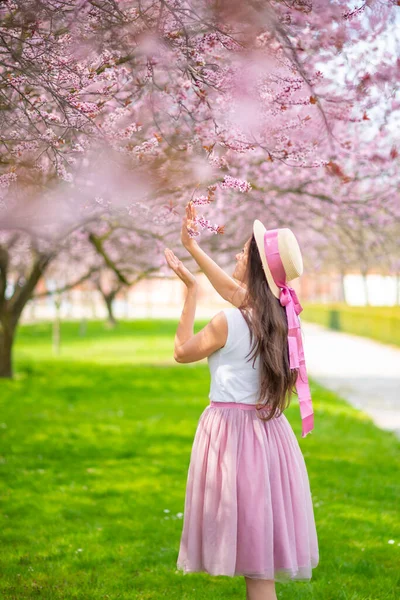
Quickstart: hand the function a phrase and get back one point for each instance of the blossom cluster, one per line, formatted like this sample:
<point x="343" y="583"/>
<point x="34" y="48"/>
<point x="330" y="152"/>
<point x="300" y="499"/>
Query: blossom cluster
<point x="203" y="200"/>
<point x="204" y="224"/>
<point x="234" y="183"/>
<point x="218" y="161"/>
<point x="7" y="179"/>
<point x="147" y="147"/>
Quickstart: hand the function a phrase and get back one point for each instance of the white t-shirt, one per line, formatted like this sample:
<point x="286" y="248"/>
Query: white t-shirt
<point x="233" y="379"/>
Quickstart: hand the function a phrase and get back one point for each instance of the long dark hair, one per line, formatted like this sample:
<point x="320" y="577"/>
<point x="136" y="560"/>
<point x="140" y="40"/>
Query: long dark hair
<point x="268" y="326"/>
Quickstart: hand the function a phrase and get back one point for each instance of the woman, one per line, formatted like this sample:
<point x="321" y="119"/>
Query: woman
<point x="248" y="506"/>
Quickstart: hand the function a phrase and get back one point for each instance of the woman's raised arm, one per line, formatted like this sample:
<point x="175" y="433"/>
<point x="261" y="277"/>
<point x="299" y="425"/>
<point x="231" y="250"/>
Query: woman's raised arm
<point x="225" y="285"/>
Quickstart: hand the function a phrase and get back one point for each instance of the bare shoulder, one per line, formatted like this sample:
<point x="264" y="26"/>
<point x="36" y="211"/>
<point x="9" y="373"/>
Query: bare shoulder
<point x="237" y="296"/>
<point x="219" y="324"/>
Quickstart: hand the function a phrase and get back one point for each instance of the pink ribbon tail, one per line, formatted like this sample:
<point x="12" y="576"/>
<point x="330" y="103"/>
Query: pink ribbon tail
<point x="288" y="298"/>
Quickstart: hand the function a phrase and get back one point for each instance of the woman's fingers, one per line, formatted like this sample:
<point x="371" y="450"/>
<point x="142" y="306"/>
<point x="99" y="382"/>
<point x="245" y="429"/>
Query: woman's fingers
<point x="188" y="214"/>
<point x="169" y="255"/>
<point x="191" y="214"/>
<point x="172" y="260"/>
<point x="179" y="268"/>
<point x="187" y="220"/>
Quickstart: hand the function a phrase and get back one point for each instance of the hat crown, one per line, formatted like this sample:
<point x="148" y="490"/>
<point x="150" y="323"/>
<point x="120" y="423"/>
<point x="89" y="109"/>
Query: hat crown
<point x="289" y="251"/>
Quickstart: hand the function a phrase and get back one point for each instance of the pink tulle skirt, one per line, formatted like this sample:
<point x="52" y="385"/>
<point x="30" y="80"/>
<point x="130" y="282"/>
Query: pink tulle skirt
<point x="248" y="506"/>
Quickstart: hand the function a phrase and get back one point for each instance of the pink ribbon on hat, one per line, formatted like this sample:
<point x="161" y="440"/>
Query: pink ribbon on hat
<point x="288" y="298"/>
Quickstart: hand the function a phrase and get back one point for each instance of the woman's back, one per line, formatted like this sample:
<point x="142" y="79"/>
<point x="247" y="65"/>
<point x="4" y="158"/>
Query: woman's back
<point x="233" y="377"/>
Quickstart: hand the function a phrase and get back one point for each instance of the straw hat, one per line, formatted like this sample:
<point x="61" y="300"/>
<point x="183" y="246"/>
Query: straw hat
<point x="289" y="251"/>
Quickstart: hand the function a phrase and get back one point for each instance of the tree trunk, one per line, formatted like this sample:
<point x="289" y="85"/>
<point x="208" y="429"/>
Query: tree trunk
<point x="397" y="289"/>
<point x="57" y="327"/>
<point x="109" y="299"/>
<point x="342" y="289"/>
<point x="364" y="278"/>
<point x="6" y="343"/>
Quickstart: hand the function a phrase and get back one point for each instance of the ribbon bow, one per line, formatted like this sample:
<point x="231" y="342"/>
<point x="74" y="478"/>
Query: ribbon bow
<point x="288" y="298"/>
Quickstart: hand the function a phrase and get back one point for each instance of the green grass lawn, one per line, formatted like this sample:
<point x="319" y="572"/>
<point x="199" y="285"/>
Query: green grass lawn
<point x="94" y="452"/>
<point x="133" y="342"/>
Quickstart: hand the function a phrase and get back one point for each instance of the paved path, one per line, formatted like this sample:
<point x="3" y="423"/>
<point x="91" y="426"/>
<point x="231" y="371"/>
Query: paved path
<point x="362" y="371"/>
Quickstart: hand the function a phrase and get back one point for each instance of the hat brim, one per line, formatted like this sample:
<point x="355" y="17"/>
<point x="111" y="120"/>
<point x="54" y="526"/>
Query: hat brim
<point x="259" y="231"/>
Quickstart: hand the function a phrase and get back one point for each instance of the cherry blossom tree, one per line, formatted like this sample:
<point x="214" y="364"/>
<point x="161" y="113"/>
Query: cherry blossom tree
<point x="129" y="109"/>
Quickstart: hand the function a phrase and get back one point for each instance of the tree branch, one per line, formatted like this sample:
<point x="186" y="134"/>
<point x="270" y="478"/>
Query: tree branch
<point x="66" y="287"/>
<point x="96" y="242"/>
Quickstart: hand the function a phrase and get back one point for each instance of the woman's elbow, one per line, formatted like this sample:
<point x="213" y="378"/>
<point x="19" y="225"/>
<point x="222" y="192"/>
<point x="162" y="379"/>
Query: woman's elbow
<point x="182" y="357"/>
<point x="178" y="356"/>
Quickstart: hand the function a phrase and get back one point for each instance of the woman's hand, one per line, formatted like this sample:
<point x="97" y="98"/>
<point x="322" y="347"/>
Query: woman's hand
<point x="188" y="221"/>
<point x="179" y="268"/>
